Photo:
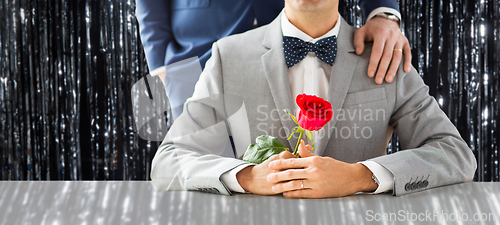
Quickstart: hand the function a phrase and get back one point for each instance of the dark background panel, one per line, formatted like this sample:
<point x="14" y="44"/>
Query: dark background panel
<point x="67" y="69"/>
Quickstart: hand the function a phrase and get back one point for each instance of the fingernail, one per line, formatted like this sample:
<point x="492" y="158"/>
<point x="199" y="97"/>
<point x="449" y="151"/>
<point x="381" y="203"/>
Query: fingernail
<point x="371" y="73"/>
<point x="357" y="50"/>
<point x="274" y="189"/>
<point x="379" y="80"/>
<point x="285" y="194"/>
<point x="271" y="164"/>
<point x="389" y="79"/>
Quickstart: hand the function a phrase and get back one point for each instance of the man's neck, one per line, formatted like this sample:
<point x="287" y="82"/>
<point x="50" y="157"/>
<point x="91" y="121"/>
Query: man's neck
<point x="313" y="24"/>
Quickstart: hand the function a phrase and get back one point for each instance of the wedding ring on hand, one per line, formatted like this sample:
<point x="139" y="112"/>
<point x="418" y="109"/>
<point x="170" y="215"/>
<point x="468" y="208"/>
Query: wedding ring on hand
<point x="398" y="49"/>
<point x="301" y="184"/>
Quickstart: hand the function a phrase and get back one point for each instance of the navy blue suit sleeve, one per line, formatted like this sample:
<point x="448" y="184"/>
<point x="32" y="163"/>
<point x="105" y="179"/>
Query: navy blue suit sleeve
<point x="155" y="29"/>
<point x="369" y="5"/>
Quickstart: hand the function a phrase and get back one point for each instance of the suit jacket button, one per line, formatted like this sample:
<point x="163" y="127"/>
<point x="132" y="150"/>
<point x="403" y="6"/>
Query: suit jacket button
<point x="414" y="186"/>
<point x="419" y="185"/>
<point x="407" y="187"/>
<point x="425" y="183"/>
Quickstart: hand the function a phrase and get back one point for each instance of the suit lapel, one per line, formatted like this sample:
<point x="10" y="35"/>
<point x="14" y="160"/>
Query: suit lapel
<point x="277" y="76"/>
<point x="340" y="79"/>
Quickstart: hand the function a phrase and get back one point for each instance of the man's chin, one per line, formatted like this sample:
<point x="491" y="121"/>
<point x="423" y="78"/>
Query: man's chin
<point x="310" y="6"/>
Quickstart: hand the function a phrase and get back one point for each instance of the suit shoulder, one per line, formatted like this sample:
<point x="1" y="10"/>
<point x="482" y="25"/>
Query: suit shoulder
<point x="248" y="39"/>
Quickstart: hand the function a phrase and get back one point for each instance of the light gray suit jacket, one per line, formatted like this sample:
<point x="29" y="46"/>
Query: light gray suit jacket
<point x="242" y="94"/>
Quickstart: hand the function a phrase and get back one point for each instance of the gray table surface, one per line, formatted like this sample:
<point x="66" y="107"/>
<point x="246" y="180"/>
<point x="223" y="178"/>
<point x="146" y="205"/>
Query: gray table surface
<point x="136" y="202"/>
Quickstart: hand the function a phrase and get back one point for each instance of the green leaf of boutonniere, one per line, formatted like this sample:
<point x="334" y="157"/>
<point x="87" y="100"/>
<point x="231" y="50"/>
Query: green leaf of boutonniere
<point x="293" y="117"/>
<point x="296" y="129"/>
<point x="265" y="147"/>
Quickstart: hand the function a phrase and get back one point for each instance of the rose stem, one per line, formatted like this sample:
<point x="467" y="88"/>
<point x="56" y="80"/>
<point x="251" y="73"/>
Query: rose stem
<point x="296" y="151"/>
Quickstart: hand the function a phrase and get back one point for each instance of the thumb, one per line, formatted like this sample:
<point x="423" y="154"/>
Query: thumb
<point x="305" y="151"/>
<point x="286" y="155"/>
<point x="359" y="40"/>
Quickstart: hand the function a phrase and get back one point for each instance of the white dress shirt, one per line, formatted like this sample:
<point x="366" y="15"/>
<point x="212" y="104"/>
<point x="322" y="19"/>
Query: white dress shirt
<point x="311" y="76"/>
<point x="384" y="10"/>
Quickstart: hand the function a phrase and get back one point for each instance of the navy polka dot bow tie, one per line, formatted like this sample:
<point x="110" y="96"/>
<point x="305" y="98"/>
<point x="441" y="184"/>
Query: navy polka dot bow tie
<point x="297" y="49"/>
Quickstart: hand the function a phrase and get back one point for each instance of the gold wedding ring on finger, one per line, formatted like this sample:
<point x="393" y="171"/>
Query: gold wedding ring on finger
<point x="398" y="49"/>
<point x="301" y="184"/>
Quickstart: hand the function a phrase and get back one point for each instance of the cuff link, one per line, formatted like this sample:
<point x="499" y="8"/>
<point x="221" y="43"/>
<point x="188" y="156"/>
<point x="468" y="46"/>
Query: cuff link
<point x="375" y="179"/>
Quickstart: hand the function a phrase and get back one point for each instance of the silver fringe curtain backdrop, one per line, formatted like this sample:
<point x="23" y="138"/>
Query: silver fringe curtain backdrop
<point x="67" y="68"/>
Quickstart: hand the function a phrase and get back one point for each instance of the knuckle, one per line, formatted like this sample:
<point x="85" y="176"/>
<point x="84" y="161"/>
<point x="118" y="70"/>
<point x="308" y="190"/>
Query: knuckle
<point x="377" y="51"/>
<point x="314" y="171"/>
<point x="408" y="54"/>
<point x="387" y="56"/>
<point x="297" y="184"/>
<point x="284" y="155"/>
<point x="315" y="159"/>
<point x="275" y="177"/>
<point x="288" y="173"/>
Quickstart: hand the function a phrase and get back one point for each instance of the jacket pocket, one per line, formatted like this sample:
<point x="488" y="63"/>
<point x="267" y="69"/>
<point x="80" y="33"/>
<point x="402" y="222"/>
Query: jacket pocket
<point x="361" y="97"/>
<point x="190" y="4"/>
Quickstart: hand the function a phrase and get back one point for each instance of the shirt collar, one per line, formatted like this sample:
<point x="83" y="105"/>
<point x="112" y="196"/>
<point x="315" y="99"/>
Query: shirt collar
<point x="288" y="29"/>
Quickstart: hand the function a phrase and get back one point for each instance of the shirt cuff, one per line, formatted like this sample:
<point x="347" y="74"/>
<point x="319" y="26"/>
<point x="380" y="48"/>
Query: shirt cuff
<point x="229" y="178"/>
<point x="158" y="71"/>
<point x="384" y="10"/>
<point x="383" y="175"/>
